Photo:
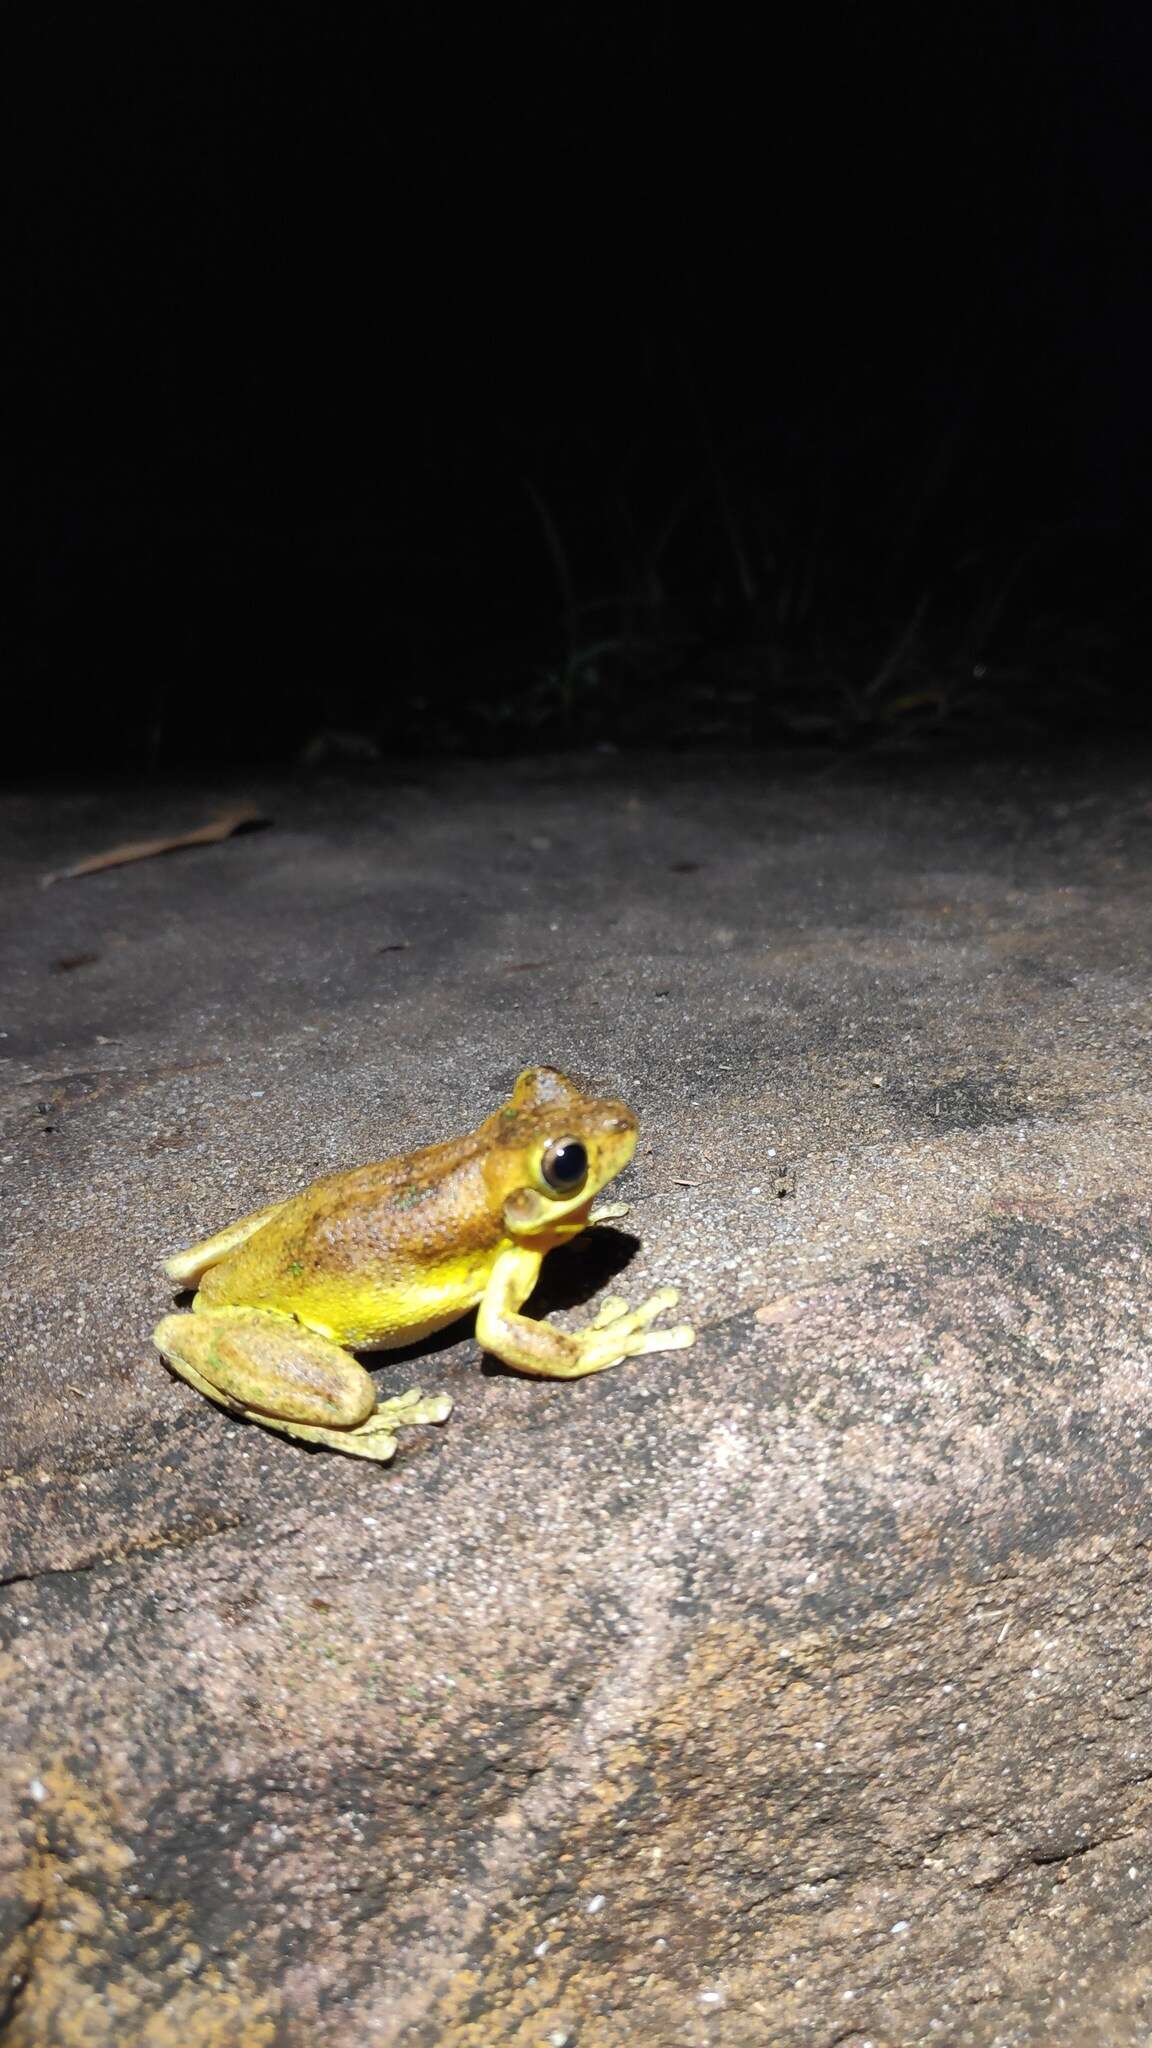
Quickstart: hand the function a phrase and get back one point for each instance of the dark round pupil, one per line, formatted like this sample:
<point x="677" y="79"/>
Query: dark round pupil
<point x="565" y="1164"/>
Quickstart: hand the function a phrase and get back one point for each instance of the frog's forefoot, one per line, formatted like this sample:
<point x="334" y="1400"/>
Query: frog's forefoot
<point x="614" y="1319"/>
<point x="267" y="1367"/>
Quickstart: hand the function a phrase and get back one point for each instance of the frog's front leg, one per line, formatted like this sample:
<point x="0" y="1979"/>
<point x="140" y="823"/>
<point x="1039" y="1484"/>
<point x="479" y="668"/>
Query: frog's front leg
<point x="266" y="1366"/>
<point x="618" y="1331"/>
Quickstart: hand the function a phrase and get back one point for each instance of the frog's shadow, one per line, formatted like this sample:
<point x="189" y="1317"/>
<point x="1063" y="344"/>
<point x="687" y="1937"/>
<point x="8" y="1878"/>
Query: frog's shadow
<point x="569" y="1278"/>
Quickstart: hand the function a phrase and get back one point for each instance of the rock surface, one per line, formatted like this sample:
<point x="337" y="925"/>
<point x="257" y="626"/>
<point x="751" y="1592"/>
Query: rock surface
<point x="795" y="1689"/>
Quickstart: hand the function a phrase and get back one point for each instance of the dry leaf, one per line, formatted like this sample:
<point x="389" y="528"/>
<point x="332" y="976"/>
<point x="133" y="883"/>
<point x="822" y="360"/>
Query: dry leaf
<point x="147" y="849"/>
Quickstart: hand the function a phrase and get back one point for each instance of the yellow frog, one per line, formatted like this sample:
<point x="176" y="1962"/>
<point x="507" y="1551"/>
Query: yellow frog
<point x="386" y="1254"/>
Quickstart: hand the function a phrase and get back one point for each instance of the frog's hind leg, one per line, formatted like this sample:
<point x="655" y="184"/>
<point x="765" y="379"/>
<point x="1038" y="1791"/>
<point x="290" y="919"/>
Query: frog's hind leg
<point x="267" y="1367"/>
<point x="188" y="1268"/>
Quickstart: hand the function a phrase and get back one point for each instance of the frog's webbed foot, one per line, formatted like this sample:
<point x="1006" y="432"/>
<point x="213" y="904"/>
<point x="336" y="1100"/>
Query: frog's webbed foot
<point x="614" y="1319"/>
<point x="608" y="1212"/>
<point x="267" y="1367"/>
<point x="374" y="1438"/>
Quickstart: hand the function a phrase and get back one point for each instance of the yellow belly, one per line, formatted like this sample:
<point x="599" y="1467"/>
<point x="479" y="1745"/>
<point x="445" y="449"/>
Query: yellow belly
<point x="359" y="1309"/>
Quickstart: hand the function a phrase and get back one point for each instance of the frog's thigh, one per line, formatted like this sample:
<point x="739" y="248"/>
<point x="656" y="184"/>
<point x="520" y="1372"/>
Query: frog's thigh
<point x="267" y="1364"/>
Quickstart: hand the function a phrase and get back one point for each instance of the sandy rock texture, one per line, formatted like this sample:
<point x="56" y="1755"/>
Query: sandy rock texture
<point x="796" y="1689"/>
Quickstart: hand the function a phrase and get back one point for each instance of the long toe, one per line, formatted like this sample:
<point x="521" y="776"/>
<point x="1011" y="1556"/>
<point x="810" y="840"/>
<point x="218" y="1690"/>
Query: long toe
<point x="676" y="1339"/>
<point x="414" y="1407"/>
<point x="610" y="1310"/>
<point x="647" y="1312"/>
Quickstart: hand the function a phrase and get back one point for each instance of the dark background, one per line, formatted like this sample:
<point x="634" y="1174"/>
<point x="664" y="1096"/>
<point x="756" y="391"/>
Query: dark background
<point x="552" y="376"/>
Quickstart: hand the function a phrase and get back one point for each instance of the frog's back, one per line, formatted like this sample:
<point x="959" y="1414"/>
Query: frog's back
<point x="375" y="1256"/>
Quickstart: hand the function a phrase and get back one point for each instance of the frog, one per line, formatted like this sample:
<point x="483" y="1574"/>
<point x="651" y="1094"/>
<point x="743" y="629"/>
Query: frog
<point x="382" y="1256"/>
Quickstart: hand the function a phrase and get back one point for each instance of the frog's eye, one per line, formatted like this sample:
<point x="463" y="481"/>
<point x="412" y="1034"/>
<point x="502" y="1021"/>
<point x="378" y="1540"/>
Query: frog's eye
<point x="565" y="1166"/>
